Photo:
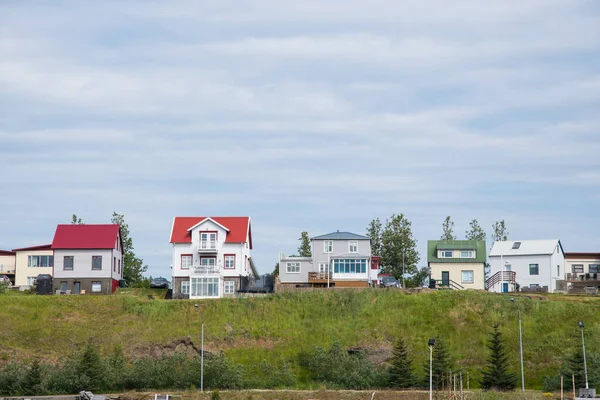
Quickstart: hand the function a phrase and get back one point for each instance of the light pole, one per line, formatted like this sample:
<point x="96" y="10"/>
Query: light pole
<point x="520" y="345"/>
<point x="584" y="360"/>
<point x="403" y="269"/>
<point x="201" y="351"/>
<point x="431" y="343"/>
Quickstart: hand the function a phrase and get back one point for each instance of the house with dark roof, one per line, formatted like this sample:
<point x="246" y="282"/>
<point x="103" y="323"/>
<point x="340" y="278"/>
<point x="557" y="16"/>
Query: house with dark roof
<point x="211" y="256"/>
<point x="339" y="259"/>
<point x="32" y="261"/>
<point x="88" y="258"/>
<point x="457" y="264"/>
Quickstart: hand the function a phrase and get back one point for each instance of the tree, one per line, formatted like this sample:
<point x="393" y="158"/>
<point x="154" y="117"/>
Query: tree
<point x="475" y="231"/>
<point x="32" y="381"/>
<point x="441" y="365"/>
<point x="90" y="369"/>
<point x="500" y="233"/>
<point x="304" y="248"/>
<point x="495" y="375"/>
<point x="133" y="266"/>
<point x="374" y="233"/>
<point x="76" y="220"/>
<point x="276" y="270"/>
<point x="401" y="371"/>
<point x="448" y="229"/>
<point x="418" y="279"/>
<point x="396" y="239"/>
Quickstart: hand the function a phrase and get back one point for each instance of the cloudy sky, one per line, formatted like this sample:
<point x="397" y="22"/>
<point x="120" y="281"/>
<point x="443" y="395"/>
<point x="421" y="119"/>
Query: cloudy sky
<point x="306" y="115"/>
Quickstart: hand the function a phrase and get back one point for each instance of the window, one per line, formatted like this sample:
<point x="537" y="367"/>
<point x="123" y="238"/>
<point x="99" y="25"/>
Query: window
<point x="467" y="276"/>
<point x="96" y="263"/>
<point x="349" y="266"/>
<point x="114" y="264"/>
<point x="186" y="261"/>
<point x="229" y="287"/>
<point x="230" y="261"/>
<point x="208" y="240"/>
<point x="534" y="269"/>
<point x="30" y="280"/>
<point x="68" y="263"/>
<point x="185" y="287"/>
<point x="558" y="270"/>
<point x="40" y="261"/>
<point x="63" y="286"/>
<point x="594" y="268"/>
<point x="205" y="287"/>
<point x="446" y="254"/>
<point x="119" y="270"/>
<point x="467" y="254"/>
<point x="96" y="287"/>
<point x="328" y="246"/>
<point x="353" y="246"/>
<point x="516" y="245"/>
<point x="323" y="268"/>
<point x="292" y="268"/>
<point x="577" y="268"/>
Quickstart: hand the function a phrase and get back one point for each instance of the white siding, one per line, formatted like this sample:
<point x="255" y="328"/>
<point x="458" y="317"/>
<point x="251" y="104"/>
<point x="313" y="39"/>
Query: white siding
<point x="82" y="264"/>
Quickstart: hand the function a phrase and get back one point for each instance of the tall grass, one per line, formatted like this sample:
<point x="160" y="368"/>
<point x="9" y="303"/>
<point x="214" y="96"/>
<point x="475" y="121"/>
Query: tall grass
<point x="253" y="330"/>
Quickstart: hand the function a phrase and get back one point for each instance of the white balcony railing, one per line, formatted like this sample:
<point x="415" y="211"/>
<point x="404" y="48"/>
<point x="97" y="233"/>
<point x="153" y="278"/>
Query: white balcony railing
<point x="207" y="246"/>
<point x="201" y="270"/>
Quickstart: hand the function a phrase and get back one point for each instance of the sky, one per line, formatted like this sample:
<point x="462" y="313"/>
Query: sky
<point x="306" y="115"/>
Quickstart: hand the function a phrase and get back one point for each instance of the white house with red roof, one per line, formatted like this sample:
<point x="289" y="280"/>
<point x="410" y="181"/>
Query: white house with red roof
<point x="87" y="258"/>
<point x="211" y="256"/>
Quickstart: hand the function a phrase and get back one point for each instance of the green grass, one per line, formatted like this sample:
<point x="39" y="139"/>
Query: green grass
<point x="249" y="330"/>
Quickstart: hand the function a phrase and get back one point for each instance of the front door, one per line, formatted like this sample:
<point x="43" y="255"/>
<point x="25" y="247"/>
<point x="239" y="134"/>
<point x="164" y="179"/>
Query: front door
<point x="445" y="278"/>
<point x="504" y="287"/>
<point x="77" y="287"/>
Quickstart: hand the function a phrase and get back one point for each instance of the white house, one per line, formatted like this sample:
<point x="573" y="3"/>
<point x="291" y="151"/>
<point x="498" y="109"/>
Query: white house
<point x="211" y="256"/>
<point x="87" y="258"/>
<point x="526" y="263"/>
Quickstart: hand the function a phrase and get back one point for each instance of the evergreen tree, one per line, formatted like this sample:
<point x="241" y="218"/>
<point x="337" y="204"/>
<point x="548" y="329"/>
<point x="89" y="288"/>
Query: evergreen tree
<point x="574" y="366"/>
<point x="441" y="365"/>
<point x="32" y="381"/>
<point x="90" y="369"/>
<point x="304" y="248"/>
<point x="276" y="270"/>
<point x="475" y="231"/>
<point x="448" y="229"/>
<point x="495" y="374"/>
<point x="400" y="373"/>
<point x="374" y="231"/>
<point x="76" y="220"/>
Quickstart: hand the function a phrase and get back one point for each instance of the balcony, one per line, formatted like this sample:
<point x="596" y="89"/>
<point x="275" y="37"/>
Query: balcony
<point x="319" y="277"/>
<point x="583" y="277"/>
<point x="207" y="246"/>
<point x="203" y="270"/>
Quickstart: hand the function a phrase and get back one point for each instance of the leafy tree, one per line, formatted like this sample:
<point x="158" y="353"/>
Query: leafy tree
<point x="475" y="231"/>
<point x="133" y="266"/>
<point x="418" y="279"/>
<point x="397" y="238"/>
<point x="441" y="365"/>
<point x="76" y="220"/>
<point x="401" y="371"/>
<point x="495" y="374"/>
<point x="448" y="229"/>
<point x="32" y="381"/>
<point x="304" y="248"/>
<point x="500" y="233"/>
<point x="374" y="231"/>
<point x="276" y="270"/>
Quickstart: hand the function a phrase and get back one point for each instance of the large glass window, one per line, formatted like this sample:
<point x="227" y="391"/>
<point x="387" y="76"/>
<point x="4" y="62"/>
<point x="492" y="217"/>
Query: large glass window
<point x="97" y="263"/>
<point x="534" y="269"/>
<point x="467" y="276"/>
<point x="292" y="267"/>
<point x="40" y="261"/>
<point x="577" y="268"/>
<point x="349" y="266"/>
<point x="205" y="287"/>
<point x="594" y="268"/>
<point x="68" y="263"/>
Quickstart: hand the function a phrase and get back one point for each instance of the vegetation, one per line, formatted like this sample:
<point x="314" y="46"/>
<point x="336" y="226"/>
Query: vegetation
<point x="475" y="231"/>
<point x="441" y="365"/>
<point x="133" y="266"/>
<point x="500" y="233"/>
<point x="496" y="374"/>
<point x="304" y="247"/>
<point x="258" y="336"/>
<point x="398" y="247"/>
<point x="401" y="375"/>
<point x="448" y="229"/>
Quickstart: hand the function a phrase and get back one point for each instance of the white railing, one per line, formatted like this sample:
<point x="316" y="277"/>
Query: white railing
<point x="207" y="245"/>
<point x="204" y="270"/>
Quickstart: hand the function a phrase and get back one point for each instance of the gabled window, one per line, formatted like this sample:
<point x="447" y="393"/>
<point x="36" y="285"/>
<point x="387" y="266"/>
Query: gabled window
<point x="328" y="246"/>
<point x="353" y="246"/>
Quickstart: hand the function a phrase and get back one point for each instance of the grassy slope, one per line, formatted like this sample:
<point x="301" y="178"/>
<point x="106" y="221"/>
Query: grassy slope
<point x="250" y="330"/>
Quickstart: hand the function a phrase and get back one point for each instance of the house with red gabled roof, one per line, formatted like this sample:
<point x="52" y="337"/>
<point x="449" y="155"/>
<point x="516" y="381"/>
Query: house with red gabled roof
<point x="87" y="258"/>
<point x="211" y="256"/>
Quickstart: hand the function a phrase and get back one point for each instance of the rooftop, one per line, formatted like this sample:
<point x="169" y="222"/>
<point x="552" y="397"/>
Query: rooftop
<point x="524" y="247"/>
<point x="341" y="236"/>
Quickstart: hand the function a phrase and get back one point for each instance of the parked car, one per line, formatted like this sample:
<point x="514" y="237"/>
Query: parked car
<point x="4" y="279"/>
<point x="42" y="277"/>
<point x="389" y="281"/>
<point x="159" y="283"/>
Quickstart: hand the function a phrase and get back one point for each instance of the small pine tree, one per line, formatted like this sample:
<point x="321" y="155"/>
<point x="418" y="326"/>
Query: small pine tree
<point x="400" y="373"/>
<point x="304" y="248"/>
<point x="90" y="369"/>
<point x="442" y="364"/>
<point x="495" y="374"/>
<point x="574" y="365"/>
<point x="32" y="381"/>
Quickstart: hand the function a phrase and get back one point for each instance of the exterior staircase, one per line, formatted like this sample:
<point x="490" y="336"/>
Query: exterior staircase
<point x="501" y="276"/>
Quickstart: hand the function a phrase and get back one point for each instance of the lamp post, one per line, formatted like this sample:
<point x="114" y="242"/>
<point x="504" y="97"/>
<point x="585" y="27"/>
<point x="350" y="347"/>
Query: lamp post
<point x="403" y="268"/>
<point x="584" y="360"/>
<point x="520" y="345"/>
<point x="201" y="351"/>
<point x="431" y="343"/>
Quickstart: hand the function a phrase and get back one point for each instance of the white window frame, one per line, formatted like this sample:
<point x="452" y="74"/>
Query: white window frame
<point x="96" y="286"/>
<point x="230" y="258"/>
<point x="189" y="258"/>
<point x="96" y="258"/>
<point x="470" y="254"/>
<point x="462" y="277"/>
<point x="323" y="268"/>
<point x="328" y="246"/>
<point x="228" y="287"/>
<point x="185" y="287"/>
<point x="353" y="244"/>
<point x="295" y="265"/>
<point x="443" y="253"/>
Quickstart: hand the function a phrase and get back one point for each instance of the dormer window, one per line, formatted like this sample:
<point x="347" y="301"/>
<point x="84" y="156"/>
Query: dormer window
<point x="467" y="254"/>
<point x="446" y="254"/>
<point x="516" y="245"/>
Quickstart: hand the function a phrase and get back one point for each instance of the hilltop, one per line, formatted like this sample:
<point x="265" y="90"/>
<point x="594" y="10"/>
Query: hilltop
<point x="249" y="330"/>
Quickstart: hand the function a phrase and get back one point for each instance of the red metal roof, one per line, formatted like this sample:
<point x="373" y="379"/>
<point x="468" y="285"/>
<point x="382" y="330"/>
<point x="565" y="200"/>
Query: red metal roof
<point x="42" y="247"/>
<point x="239" y="228"/>
<point x="84" y="236"/>
<point x="7" y="253"/>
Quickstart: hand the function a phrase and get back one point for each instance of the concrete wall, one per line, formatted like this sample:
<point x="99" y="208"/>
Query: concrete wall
<point x="455" y="272"/>
<point x="85" y="284"/>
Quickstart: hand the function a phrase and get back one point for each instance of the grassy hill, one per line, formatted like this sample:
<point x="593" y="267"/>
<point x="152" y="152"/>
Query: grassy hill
<point x="249" y="330"/>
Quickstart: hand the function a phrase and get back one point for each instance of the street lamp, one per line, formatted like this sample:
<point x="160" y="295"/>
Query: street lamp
<point x="584" y="360"/>
<point x="520" y="345"/>
<point x="201" y="351"/>
<point x="431" y="343"/>
<point x="403" y="269"/>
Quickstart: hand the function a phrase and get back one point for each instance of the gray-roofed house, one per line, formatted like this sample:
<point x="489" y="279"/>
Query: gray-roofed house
<point x="339" y="259"/>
